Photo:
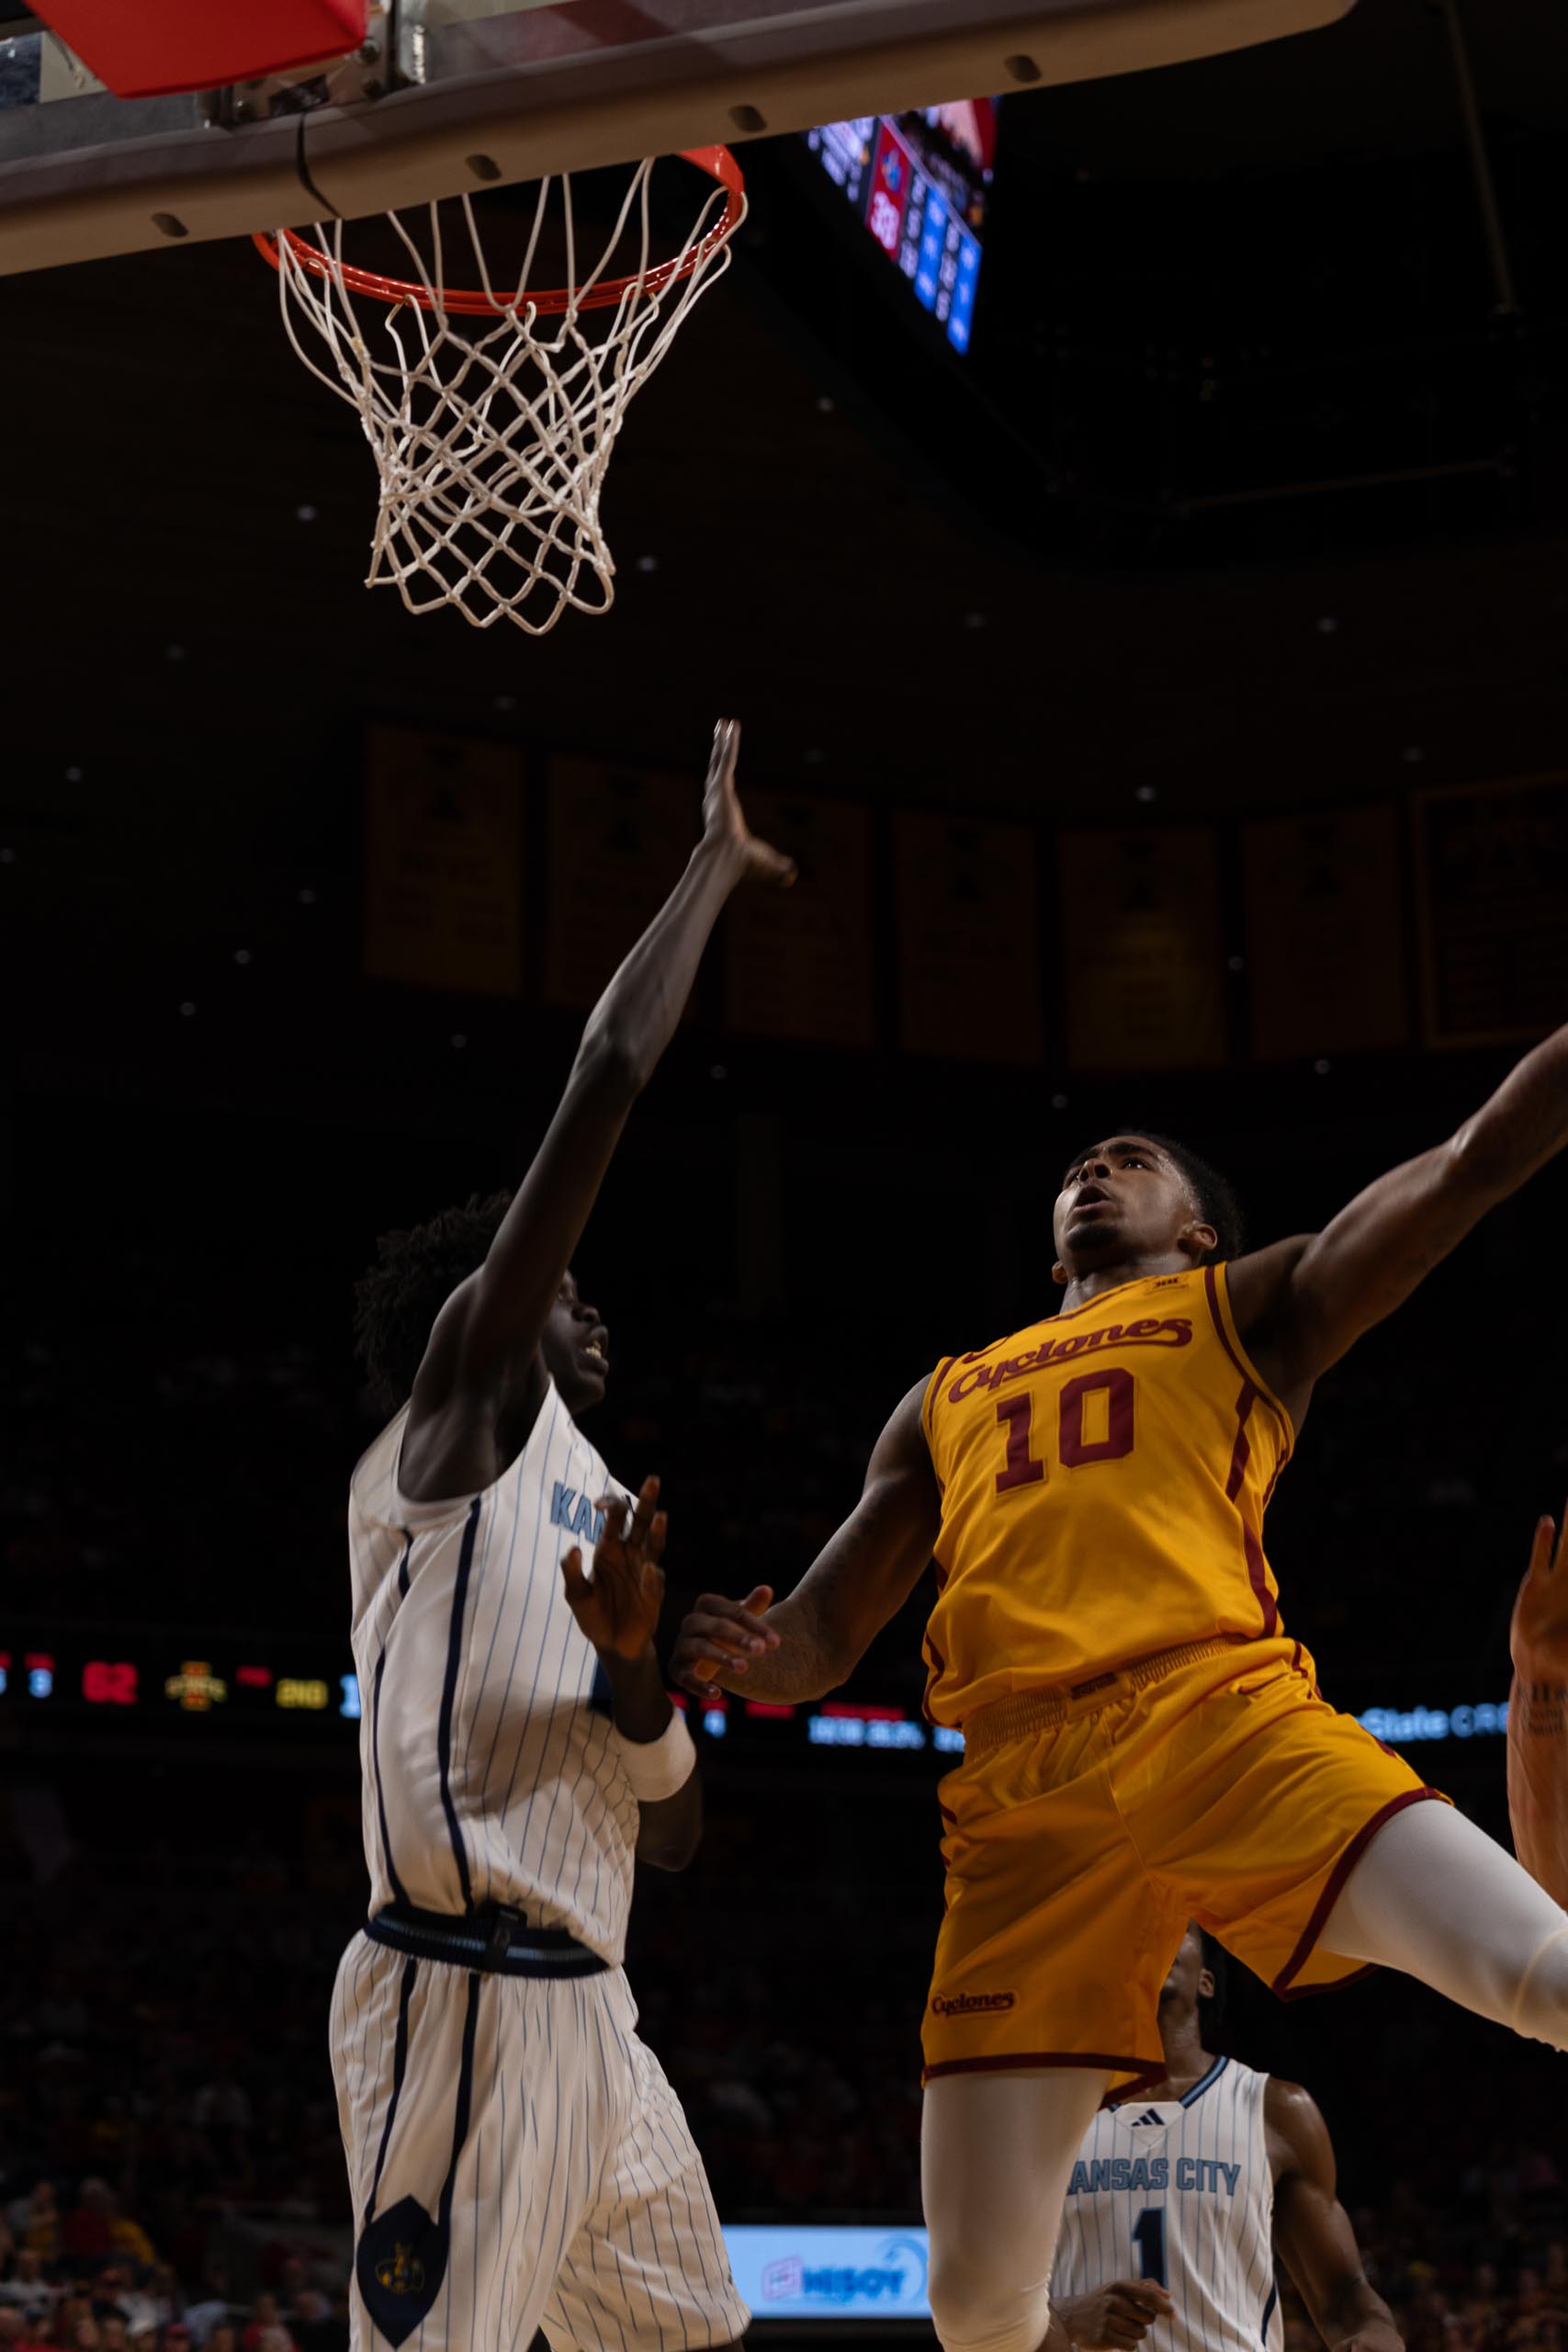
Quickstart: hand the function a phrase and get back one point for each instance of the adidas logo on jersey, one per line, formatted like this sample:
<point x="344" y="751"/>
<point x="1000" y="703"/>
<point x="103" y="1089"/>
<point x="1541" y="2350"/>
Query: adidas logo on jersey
<point x="1149" y="2115"/>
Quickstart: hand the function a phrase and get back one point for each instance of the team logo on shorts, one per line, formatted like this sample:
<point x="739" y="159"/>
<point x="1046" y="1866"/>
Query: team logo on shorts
<point x="400" y="2263"/>
<point x="971" y="2005"/>
<point x="401" y="2273"/>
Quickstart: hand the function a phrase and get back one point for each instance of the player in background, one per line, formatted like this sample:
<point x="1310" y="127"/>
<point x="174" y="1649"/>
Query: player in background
<point x="1144" y="1742"/>
<point x="1183" y="2195"/>
<point x="516" y="2157"/>
<point x="1538" y="1713"/>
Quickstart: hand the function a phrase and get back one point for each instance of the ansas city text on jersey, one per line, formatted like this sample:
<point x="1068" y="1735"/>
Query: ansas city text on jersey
<point x="1148" y="1331"/>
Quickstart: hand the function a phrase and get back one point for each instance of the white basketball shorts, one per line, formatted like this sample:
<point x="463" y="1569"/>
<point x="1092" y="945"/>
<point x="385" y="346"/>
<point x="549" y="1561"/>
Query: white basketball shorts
<point x="517" y="2160"/>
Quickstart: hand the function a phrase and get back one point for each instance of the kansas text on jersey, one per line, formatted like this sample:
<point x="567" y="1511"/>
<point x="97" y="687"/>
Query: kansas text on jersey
<point x="1104" y="1475"/>
<point x="1181" y="2191"/>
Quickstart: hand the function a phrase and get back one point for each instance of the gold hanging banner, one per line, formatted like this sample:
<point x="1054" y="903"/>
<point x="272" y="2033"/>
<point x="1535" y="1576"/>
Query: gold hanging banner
<point x="620" y="841"/>
<point x="798" y="962"/>
<point x="1494" y="871"/>
<point x="968" y="940"/>
<point x="1143" y="964"/>
<point x="1326" y="934"/>
<point x="443" y="870"/>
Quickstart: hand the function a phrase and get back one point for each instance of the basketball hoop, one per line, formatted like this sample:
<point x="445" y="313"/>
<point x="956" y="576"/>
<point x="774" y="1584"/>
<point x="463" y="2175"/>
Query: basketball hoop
<point x="491" y="443"/>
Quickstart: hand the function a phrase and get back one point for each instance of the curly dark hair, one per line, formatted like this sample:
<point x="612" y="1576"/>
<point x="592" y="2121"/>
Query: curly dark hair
<point x="397" y="1301"/>
<point x="1216" y="1199"/>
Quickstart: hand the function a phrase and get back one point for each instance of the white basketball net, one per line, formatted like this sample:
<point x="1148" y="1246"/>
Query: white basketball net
<point x="492" y="432"/>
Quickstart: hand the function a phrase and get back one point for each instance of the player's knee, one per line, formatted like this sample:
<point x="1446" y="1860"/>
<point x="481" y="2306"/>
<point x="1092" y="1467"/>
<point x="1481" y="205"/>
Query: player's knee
<point x="972" y="2309"/>
<point x="1540" y="2007"/>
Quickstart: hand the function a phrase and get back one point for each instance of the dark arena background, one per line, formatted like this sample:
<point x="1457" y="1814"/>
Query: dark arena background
<point x="1157" y="668"/>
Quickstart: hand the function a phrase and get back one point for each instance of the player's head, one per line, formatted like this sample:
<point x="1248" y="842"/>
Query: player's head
<point x="397" y="1301"/>
<point x="1137" y="1198"/>
<point x="1195" y="1985"/>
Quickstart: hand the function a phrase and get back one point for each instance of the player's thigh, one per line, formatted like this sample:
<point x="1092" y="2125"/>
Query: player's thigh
<point x="473" y="2143"/>
<point x="997" y="2154"/>
<point x="1434" y="1896"/>
<point x="648" y="2268"/>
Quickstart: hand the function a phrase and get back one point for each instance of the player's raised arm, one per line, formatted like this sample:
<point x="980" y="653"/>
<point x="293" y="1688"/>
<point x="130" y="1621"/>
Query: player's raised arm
<point x="1538" y="1714"/>
<point x="1312" y="2236"/>
<point x="491" y="1327"/>
<point x="813" y="1640"/>
<point x="1300" y="1304"/>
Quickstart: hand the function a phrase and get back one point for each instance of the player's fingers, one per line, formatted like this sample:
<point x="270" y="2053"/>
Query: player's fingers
<point x="1541" y="1551"/>
<point x="576" y="1583"/>
<point x="731" y="748"/>
<point x="718" y="1636"/>
<point x="1561" y="1540"/>
<point x="642" y="1516"/>
<point x="760" y="1598"/>
<point x="613" y="1517"/>
<point x="656" y="1535"/>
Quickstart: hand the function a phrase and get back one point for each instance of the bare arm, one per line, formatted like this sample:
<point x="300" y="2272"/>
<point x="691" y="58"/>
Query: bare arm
<point x="489" y="1331"/>
<point x="809" y="1643"/>
<point x="1538" y="1715"/>
<point x="1300" y="1304"/>
<point x="1312" y="2236"/>
<point x="616" y="1605"/>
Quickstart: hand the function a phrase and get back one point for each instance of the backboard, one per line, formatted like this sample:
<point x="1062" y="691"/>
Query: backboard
<point x="448" y="95"/>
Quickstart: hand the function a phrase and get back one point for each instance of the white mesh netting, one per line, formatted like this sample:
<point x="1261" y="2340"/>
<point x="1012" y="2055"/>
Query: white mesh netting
<point x="492" y="416"/>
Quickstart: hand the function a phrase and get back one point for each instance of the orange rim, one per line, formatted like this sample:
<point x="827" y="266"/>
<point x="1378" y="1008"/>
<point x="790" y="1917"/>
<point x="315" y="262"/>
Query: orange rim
<point x="468" y="301"/>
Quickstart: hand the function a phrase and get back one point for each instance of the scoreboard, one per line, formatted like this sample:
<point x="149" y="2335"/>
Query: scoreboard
<point x="160" y="1677"/>
<point x="918" y="184"/>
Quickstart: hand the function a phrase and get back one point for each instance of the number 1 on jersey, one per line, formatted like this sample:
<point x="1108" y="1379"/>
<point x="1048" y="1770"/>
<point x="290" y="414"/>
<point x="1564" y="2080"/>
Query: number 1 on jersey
<point x="1148" y="2236"/>
<point x="1016" y="1415"/>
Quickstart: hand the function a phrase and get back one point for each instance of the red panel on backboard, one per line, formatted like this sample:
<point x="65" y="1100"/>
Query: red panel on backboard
<point x="150" y="53"/>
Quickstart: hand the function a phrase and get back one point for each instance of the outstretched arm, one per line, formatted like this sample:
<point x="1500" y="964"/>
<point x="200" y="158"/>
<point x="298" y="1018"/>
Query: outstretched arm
<point x="1300" y="1304"/>
<point x="489" y="1331"/>
<point x="1538" y="1715"/>
<point x="1312" y="2236"/>
<point x="811" y="1642"/>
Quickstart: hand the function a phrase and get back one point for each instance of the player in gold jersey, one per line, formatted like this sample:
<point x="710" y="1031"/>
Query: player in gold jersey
<point x="1144" y="1740"/>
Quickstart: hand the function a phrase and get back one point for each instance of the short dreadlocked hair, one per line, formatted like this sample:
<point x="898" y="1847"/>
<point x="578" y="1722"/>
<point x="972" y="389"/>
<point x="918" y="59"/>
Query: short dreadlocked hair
<point x="397" y="1301"/>
<point x="1217" y="1203"/>
<point x="1210" y="2011"/>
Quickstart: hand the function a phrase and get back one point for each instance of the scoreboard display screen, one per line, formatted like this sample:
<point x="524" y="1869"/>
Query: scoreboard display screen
<point x="919" y="183"/>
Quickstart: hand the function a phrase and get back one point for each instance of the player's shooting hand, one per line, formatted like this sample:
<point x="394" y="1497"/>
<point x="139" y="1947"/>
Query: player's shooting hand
<point x="724" y="820"/>
<point x="717" y="1638"/>
<point x="617" y="1606"/>
<point x="1119" y="2314"/>
<point x="1538" y="1636"/>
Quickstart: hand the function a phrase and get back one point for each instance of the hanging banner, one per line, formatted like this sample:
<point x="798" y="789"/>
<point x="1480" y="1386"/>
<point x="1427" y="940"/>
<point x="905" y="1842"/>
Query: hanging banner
<point x="798" y="962"/>
<point x="443" y="866"/>
<point x="968" y="940"/>
<point x="619" y="840"/>
<point x="1326" y="934"/>
<point x="1494" y="873"/>
<point x="1142" y="958"/>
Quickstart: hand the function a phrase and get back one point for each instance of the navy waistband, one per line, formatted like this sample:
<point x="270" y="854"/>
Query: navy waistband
<point x="490" y="1937"/>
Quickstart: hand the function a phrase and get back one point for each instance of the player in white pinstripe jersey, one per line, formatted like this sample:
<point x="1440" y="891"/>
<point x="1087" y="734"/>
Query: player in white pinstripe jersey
<point x="1183" y="2195"/>
<point x="516" y="2157"/>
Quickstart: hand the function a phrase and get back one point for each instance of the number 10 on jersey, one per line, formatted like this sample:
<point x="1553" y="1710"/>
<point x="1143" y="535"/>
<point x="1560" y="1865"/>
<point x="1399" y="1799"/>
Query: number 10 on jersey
<point x="1094" y="1423"/>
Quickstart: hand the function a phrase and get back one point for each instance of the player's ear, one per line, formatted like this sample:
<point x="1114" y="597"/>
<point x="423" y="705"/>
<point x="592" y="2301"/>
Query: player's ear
<point x="1061" y="1277"/>
<point x="1206" y="1984"/>
<point x="1198" y="1240"/>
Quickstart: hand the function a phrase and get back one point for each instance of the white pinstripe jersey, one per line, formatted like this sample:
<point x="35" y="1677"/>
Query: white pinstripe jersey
<point x="491" y="1771"/>
<point x="1180" y="2190"/>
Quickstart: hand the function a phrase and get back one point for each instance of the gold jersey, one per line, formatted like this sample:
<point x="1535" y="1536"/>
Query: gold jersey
<point x="1104" y="1475"/>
